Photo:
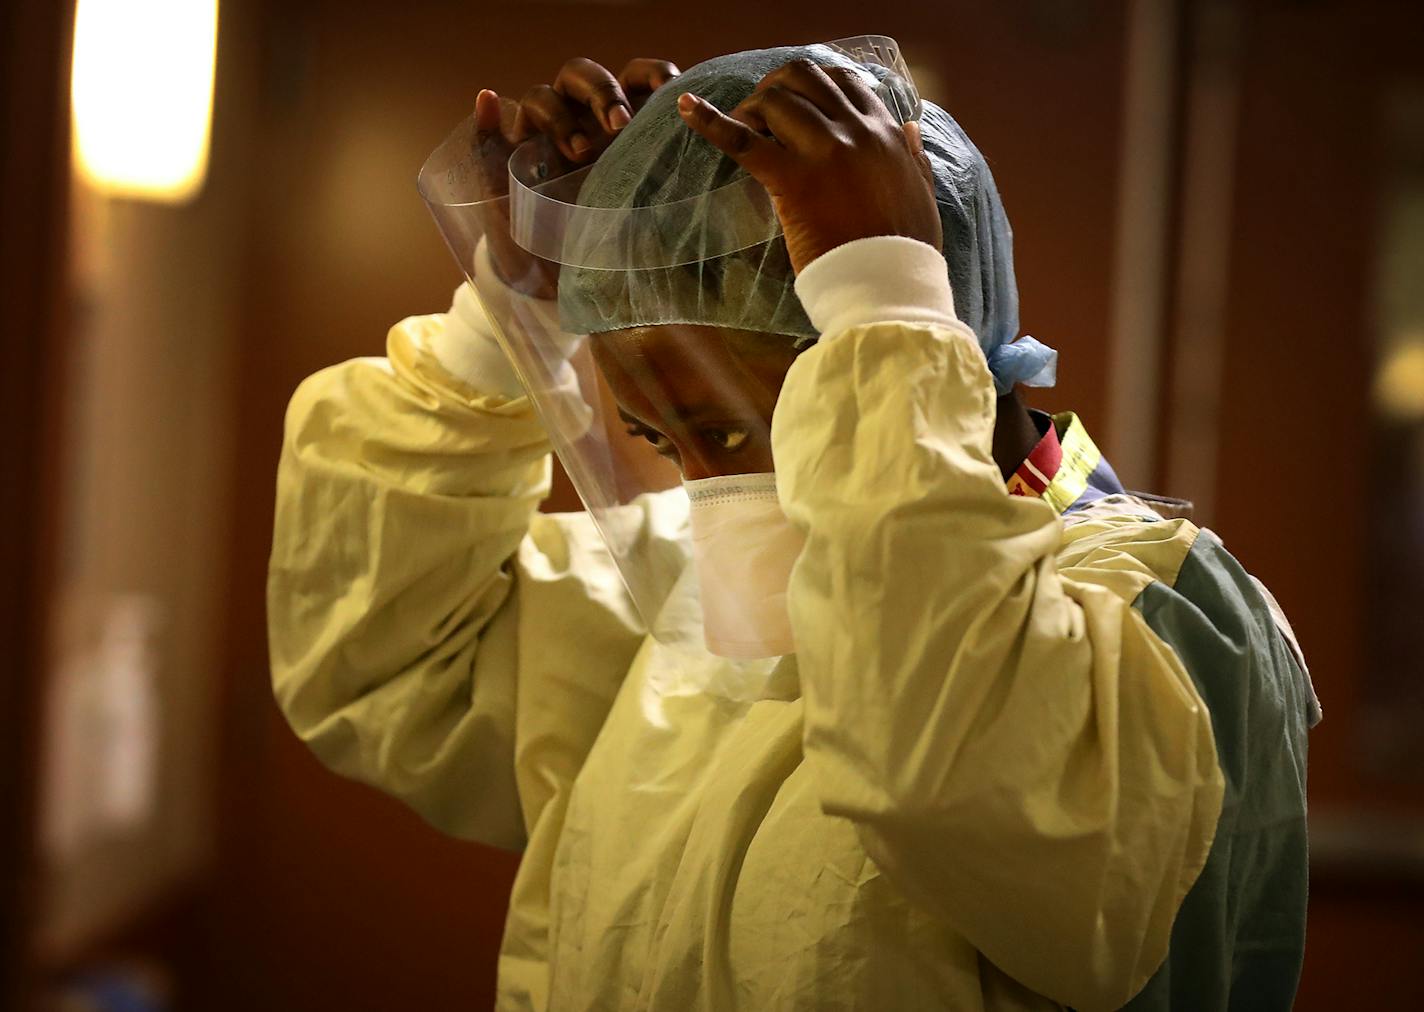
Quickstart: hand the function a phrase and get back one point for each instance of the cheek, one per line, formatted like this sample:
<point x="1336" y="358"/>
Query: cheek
<point x="707" y="458"/>
<point x="760" y="448"/>
<point x="752" y="458"/>
<point x="770" y="376"/>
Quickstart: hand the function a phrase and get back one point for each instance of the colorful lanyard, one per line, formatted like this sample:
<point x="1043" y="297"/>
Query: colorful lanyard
<point x="1058" y="468"/>
<point x="1039" y="468"/>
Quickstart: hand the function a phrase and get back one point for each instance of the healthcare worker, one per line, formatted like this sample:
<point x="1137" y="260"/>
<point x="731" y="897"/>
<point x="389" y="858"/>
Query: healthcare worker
<point x="856" y="685"/>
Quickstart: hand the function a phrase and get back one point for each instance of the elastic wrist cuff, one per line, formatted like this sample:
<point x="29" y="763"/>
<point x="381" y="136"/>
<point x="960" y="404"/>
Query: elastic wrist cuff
<point x="874" y="280"/>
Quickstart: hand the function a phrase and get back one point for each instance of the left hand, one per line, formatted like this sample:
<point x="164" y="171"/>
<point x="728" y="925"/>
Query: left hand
<point x="837" y="165"/>
<point x="580" y="113"/>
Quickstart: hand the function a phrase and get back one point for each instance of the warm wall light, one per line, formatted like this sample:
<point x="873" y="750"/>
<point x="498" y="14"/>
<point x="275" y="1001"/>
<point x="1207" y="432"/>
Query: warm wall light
<point x="142" y="94"/>
<point x="1399" y="381"/>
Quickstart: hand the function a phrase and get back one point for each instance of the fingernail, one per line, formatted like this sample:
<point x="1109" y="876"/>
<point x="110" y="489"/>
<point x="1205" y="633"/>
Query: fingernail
<point x="686" y="102"/>
<point x="618" y="117"/>
<point x="579" y="143"/>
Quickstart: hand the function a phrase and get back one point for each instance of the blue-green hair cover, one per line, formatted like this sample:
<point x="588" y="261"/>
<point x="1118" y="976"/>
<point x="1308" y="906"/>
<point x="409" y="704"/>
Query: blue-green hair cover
<point x="657" y="159"/>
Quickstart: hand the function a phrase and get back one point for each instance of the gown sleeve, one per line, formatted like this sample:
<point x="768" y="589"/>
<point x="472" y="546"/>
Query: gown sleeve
<point x="1018" y="750"/>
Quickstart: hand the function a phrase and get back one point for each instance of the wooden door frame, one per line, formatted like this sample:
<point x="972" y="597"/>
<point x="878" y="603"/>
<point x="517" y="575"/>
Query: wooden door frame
<point x="34" y="171"/>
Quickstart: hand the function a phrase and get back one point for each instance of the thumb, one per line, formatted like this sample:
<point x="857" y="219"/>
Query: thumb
<point x="913" y="138"/>
<point x="733" y="138"/>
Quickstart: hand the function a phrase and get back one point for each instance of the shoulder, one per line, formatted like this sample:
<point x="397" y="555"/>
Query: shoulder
<point x="1122" y="544"/>
<point x="1197" y="597"/>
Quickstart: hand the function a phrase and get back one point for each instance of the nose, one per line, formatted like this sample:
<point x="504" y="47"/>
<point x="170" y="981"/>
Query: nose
<point x="696" y="466"/>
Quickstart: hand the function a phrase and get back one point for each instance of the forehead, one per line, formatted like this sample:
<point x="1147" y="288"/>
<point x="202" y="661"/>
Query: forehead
<point x="668" y="344"/>
<point x="678" y="346"/>
<point x="679" y="366"/>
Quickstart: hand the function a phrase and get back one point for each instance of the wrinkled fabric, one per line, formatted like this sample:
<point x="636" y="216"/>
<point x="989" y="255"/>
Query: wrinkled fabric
<point x="989" y="779"/>
<point x="658" y="160"/>
<point x="1220" y="623"/>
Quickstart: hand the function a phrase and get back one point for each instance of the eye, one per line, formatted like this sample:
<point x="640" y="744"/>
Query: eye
<point x="729" y="439"/>
<point x="661" y="443"/>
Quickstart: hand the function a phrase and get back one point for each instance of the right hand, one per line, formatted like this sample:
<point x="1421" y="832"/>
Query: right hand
<point x="581" y="112"/>
<point x="837" y="164"/>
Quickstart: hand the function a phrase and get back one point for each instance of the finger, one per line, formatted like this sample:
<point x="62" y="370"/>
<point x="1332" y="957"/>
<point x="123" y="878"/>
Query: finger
<point x="487" y="112"/>
<point x="787" y="115"/>
<point x="494" y="121"/>
<point x="914" y="138"/>
<point x="591" y="84"/>
<point x="543" y="110"/>
<point x="856" y="89"/>
<point x="508" y="118"/>
<point x="491" y="143"/>
<point x="642" y="76"/>
<point x="739" y="142"/>
<point x="808" y="80"/>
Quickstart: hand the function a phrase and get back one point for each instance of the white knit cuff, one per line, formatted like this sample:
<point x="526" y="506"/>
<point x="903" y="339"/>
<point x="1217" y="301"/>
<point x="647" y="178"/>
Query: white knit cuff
<point x="874" y="280"/>
<point x="467" y="350"/>
<point x="466" y="346"/>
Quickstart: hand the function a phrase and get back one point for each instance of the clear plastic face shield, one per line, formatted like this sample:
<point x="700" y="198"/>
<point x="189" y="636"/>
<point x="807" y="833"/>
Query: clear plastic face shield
<point x="645" y="300"/>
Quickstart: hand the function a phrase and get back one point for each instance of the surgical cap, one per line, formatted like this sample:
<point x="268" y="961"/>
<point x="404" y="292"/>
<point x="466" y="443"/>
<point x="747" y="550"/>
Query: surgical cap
<point x="657" y="159"/>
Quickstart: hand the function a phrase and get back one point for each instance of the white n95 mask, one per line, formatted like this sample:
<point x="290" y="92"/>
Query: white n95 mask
<point x="743" y="547"/>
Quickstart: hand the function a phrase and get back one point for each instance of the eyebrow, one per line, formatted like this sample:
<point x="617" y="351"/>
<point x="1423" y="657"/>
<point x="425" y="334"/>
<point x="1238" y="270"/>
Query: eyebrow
<point x="701" y="414"/>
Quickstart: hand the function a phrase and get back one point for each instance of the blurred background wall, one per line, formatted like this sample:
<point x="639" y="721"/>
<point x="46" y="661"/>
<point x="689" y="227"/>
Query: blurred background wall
<point x="1219" y="215"/>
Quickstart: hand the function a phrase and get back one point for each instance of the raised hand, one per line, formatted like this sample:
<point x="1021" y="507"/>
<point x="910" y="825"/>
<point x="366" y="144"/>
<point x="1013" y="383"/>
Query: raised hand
<point x="580" y="112"/>
<point x="837" y="165"/>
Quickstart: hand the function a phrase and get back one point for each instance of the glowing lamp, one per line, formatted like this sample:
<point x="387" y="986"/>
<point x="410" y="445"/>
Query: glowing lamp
<point x="142" y="95"/>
